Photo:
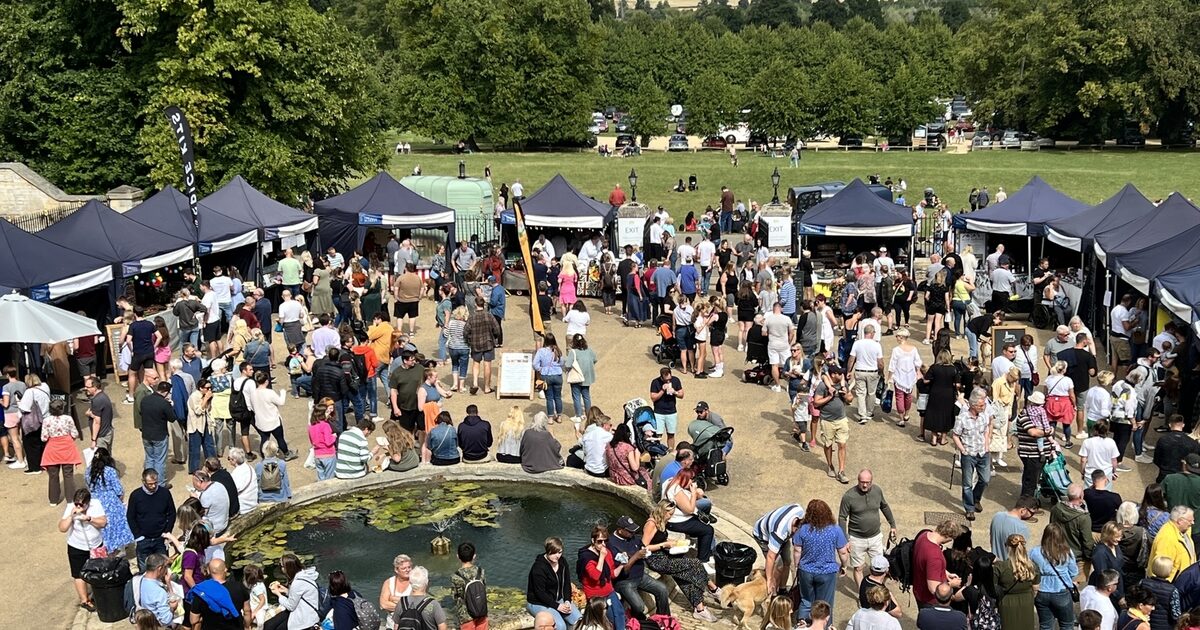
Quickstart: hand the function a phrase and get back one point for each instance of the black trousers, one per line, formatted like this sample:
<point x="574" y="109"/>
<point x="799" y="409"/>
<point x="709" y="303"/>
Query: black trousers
<point x="1031" y="473"/>
<point x="499" y="325"/>
<point x="1000" y="301"/>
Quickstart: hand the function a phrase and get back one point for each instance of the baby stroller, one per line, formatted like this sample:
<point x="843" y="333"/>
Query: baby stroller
<point x="709" y="445"/>
<point x="758" y="364"/>
<point x="692" y="185"/>
<point x="666" y="351"/>
<point x="1053" y="482"/>
<point x="640" y="418"/>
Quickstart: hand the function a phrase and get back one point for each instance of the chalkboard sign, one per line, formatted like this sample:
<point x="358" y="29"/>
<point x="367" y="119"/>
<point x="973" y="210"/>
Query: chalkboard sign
<point x="1005" y="334"/>
<point x="113" y="333"/>
<point x="516" y="375"/>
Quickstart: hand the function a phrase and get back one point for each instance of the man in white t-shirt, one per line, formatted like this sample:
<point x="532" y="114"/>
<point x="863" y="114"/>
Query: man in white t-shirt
<point x="781" y="332"/>
<point x="1099" y="599"/>
<point x="1006" y="361"/>
<point x="882" y="260"/>
<point x="1166" y="336"/>
<point x="686" y="251"/>
<point x="872" y="319"/>
<point x="222" y="286"/>
<point x="866" y="357"/>
<point x="212" y="320"/>
<point x="993" y="259"/>
<point x="545" y="245"/>
<point x="655" y="249"/>
<point x="1099" y="452"/>
<point x="517" y="190"/>
<point x="1121" y="324"/>
<point x="706" y="251"/>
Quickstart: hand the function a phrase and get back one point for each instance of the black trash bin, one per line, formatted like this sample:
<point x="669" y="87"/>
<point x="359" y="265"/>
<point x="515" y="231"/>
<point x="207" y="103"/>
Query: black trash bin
<point x="734" y="562"/>
<point x="107" y="577"/>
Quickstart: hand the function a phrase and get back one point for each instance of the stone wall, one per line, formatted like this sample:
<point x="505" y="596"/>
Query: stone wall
<point x="24" y="192"/>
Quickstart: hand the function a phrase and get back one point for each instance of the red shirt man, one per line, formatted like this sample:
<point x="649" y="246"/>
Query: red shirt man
<point x="929" y="564"/>
<point x="617" y="196"/>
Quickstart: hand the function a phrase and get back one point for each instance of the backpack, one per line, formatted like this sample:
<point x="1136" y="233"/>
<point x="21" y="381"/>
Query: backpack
<point x="272" y="478"/>
<point x="410" y="618"/>
<point x="239" y="409"/>
<point x="368" y="614"/>
<point x="474" y="594"/>
<point x="900" y="561"/>
<point x="353" y="369"/>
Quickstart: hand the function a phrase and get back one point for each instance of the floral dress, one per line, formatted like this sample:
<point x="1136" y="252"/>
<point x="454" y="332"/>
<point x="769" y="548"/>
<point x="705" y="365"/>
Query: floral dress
<point x="109" y="492"/>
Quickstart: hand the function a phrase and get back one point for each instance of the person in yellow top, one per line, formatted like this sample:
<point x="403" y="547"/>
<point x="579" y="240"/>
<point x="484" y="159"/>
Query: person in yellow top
<point x="379" y="337"/>
<point x="960" y="301"/>
<point x="1174" y="540"/>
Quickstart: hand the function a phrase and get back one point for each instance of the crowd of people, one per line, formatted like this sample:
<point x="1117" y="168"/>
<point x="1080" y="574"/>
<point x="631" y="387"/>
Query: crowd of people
<point x="213" y="411"/>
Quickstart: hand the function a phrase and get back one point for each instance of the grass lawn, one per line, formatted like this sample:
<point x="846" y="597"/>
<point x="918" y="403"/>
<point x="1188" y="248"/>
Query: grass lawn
<point x="1090" y="176"/>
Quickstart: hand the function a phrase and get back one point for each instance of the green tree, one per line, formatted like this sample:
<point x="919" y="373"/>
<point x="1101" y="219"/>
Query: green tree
<point x="955" y="13"/>
<point x="869" y="10"/>
<point x="846" y="99"/>
<point x="510" y="71"/>
<point x="832" y="12"/>
<point x="602" y="9"/>
<point x="780" y="100"/>
<point x="907" y="100"/>
<point x="773" y="13"/>
<point x="712" y="102"/>
<point x="648" y="109"/>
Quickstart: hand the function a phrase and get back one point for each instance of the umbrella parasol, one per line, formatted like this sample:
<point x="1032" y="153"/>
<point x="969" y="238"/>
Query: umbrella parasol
<point x="30" y="321"/>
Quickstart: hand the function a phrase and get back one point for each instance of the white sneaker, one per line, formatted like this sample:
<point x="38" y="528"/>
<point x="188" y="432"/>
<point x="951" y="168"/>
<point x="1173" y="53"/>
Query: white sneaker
<point x="741" y="347"/>
<point x="1148" y="447"/>
<point x="1124" y="469"/>
<point x="776" y="389"/>
<point x="1000" y="463"/>
<point x="716" y="374"/>
<point x="16" y="465"/>
<point x="1144" y="459"/>
<point x="128" y="399"/>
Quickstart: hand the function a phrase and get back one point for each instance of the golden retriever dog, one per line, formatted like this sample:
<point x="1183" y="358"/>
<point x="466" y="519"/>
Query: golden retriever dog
<point x="745" y="597"/>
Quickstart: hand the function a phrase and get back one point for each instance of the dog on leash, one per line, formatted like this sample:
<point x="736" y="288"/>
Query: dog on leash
<point x="746" y="597"/>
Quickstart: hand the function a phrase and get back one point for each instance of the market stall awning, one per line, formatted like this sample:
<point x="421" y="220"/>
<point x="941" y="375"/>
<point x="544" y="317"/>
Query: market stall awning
<point x="559" y="204"/>
<point x="857" y="211"/>
<point x="1180" y="293"/>
<point x="241" y="201"/>
<point x="381" y="201"/>
<point x="1077" y="231"/>
<point x="44" y="268"/>
<point x="167" y="211"/>
<point x="99" y="231"/>
<point x="1173" y="216"/>
<point x="30" y="321"/>
<point x="1026" y="212"/>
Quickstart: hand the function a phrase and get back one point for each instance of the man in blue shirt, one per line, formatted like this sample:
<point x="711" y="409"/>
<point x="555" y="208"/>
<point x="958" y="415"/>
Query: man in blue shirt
<point x="685" y="456"/>
<point x="629" y="552"/>
<point x="689" y="279"/>
<point x="193" y="365"/>
<point x="496" y="304"/>
<point x="149" y="592"/>
<point x="663" y="279"/>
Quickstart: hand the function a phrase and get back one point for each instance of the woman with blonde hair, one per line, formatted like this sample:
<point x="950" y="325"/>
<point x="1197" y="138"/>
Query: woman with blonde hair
<point x="717" y="331"/>
<point x="1015" y="580"/>
<point x="402" y="453"/>
<point x="688" y="572"/>
<point x="322" y="439"/>
<point x="936" y="305"/>
<point x="767" y="297"/>
<point x="1108" y="555"/>
<point x="903" y="371"/>
<point x="455" y="332"/>
<point x="1004" y="398"/>
<point x="1098" y="401"/>
<point x="779" y="614"/>
<point x="508" y="437"/>
<point x="1060" y="400"/>
<point x="239" y="336"/>
<point x="567" y="279"/>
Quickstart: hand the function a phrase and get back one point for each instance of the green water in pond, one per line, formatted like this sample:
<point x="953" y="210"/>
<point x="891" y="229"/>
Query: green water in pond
<point x="360" y="533"/>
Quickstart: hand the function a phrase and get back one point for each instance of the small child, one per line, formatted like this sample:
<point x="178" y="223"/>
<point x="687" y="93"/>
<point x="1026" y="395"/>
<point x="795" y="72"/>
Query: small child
<point x="252" y="579"/>
<point x="464" y="597"/>
<point x="1091" y="620"/>
<point x="295" y="368"/>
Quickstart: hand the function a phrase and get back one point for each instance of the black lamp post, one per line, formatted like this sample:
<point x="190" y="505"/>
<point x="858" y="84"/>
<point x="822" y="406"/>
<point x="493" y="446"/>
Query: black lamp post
<point x="462" y="169"/>
<point x="633" y="183"/>
<point x="775" y="185"/>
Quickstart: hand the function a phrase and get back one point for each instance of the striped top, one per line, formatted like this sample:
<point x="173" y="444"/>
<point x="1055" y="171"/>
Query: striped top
<point x="353" y="454"/>
<point x="787" y="296"/>
<point x="775" y="528"/>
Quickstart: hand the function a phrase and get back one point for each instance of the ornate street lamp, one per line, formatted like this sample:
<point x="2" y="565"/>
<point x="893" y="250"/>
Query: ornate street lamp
<point x="775" y="185"/>
<point x="462" y="169"/>
<point x="633" y="183"/>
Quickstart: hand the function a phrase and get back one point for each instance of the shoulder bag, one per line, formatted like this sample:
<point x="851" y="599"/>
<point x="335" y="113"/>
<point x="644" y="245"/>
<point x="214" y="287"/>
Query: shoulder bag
<point x="1070" y="585"/>
<point x="1034" y="377"/>
<point x="574" y="374"/>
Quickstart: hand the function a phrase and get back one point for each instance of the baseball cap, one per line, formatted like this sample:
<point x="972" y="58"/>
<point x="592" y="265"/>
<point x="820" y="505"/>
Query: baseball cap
<point x="701" y="407"/>
<point x="627" y="524"/>
<point x="879" y="565"/>
<point x="1193" y="462"/>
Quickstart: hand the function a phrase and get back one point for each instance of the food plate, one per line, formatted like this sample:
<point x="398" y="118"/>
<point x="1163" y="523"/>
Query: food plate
<point x="680" y="550"/>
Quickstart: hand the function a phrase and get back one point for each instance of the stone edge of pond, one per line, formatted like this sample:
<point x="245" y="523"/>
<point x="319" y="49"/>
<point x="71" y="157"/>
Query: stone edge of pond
<point x="727" y="527"/>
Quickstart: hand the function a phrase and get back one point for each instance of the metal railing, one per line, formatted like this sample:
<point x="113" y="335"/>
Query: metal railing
<point x="36" y="221"/>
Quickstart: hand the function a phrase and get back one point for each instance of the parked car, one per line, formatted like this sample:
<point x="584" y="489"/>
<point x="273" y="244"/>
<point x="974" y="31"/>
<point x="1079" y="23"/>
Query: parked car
<point x="850" y="141"/>
<point x="622" y="127"/>
<point x="757" y="140"/>
<point x="964" y="126"/>
<point x="935" y="141"/>
<point x="1009" y="138"/>
<point x="1131" y="136"/>
<point x="738" y="134"/>
<point x="610" y="112"/>
<point x="594" y="128"/>
<point x="714" y="142"/>
<point x="959" y="108"/>
<point x="624" y="139"/>
<point x="900" y="141"/>
<point x="677" y="142"/>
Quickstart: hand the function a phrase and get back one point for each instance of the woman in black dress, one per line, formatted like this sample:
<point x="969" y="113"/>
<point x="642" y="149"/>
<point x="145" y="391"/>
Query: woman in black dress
<point x="936" y="305"/>
<point x="747" y="308"/>
<point x="942" y="378"/>
<point x="716" y="333"/>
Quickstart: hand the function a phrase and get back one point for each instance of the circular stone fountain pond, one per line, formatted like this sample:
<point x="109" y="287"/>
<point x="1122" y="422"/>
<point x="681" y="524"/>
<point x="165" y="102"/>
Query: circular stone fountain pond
<point x="359" y="531"/>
